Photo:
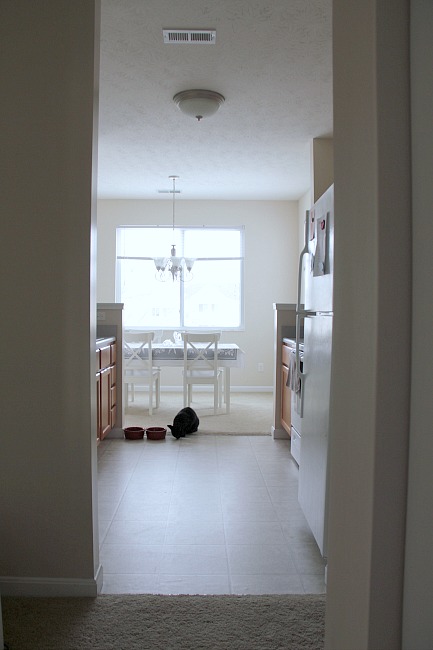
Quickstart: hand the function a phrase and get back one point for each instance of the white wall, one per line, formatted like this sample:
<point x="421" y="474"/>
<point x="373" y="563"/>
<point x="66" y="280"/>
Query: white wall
<point x="271" y="260"/>
<point x="49" y="536"/>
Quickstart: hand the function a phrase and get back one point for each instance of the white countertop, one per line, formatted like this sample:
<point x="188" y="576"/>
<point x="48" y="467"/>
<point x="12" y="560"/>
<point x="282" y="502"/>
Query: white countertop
<point x="102" y="342"/>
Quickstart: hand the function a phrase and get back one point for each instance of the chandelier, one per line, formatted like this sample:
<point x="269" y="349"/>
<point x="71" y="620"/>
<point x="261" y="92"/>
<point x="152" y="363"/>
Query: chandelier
<point x="175" y="268"/>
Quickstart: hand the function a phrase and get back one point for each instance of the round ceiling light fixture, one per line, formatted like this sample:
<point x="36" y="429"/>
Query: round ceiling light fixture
<point x="198" y="103"/>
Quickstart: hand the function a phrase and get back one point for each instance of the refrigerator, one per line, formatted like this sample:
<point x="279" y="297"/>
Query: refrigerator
<point x="315" y="315"/>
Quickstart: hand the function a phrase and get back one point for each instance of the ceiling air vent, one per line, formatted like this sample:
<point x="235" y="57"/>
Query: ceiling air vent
<point x="190" y="36"/>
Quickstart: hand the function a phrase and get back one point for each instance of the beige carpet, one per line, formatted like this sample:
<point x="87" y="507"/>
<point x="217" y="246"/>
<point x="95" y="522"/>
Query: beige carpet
<point x="250" y="413"/>
<point x="165" y="623"/>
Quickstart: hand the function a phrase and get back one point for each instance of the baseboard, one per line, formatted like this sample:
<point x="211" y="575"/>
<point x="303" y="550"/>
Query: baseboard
<point x="207" y="389"/>
<point x="279" y="434"/>
<point x="117" y="432"/>
<point x="52" y="587"/>
<point x="99" y="578"/>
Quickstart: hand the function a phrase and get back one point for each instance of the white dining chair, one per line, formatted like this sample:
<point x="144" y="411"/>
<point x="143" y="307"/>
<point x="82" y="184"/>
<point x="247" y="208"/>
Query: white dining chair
<point x="200" y="365"/>
<point x="138" y="368"/>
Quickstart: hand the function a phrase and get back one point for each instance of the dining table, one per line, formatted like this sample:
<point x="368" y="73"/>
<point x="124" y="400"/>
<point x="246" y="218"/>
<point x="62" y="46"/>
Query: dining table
<point x="169" y="353"/>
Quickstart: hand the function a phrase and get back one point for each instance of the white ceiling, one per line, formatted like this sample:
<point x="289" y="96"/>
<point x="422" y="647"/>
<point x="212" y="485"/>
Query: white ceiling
<point x="273" y="63"/>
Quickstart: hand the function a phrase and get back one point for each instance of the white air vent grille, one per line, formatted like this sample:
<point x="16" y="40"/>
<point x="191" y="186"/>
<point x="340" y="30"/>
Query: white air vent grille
<point x="190" y="36"/>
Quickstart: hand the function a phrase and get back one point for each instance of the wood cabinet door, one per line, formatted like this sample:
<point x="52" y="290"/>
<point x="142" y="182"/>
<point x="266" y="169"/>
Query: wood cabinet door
<point x="113" y="353"/>
<point x="105" y="357"/>
<point x="105" y="402"/>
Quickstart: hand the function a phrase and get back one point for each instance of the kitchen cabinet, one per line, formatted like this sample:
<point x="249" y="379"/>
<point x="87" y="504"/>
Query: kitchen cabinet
<point x="113" y="384"/>
<point x="106" y="386"/>
<point x="284" y="329"/>
<point x="286" y="393"/>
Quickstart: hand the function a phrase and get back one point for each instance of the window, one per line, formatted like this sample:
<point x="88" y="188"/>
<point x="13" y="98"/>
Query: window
<point x="212" y="299"/>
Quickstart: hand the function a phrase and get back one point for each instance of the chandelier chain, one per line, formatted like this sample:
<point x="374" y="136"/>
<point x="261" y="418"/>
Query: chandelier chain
<point x="174" y="197"/>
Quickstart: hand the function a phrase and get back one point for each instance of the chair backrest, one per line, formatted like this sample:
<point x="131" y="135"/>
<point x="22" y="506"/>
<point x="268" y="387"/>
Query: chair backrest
<point x="200" y="351"/>
<point x="137" y="351"/>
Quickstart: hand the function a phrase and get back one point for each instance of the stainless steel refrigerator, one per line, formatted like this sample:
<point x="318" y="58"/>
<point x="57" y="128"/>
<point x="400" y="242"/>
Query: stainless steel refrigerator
<point x="314" y="313"/>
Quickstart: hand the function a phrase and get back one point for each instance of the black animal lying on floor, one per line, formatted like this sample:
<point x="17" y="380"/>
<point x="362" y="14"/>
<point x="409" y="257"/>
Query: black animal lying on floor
<point x="186" y="421"/>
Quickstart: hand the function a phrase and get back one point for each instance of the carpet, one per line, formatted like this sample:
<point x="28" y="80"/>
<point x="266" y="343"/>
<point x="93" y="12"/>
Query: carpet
<point x="165" y="623"/>
<point x="250" y="413"/>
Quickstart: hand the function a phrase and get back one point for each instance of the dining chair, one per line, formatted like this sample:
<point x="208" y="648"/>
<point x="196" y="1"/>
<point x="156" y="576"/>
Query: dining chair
<point x="200" y="364"/>
<point x="138" y="368"/>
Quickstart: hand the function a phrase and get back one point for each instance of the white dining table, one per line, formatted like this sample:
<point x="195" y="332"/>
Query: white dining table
<point x="230" y="355"/>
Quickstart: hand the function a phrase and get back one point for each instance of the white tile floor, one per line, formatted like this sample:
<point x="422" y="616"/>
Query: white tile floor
<point x="204" y="515"/>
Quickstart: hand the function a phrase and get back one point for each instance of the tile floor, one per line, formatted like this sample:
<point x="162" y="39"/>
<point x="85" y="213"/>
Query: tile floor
<point x="206" y="514"/>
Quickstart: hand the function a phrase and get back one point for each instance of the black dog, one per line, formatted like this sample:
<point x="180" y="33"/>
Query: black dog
<point x="186" y="421"/>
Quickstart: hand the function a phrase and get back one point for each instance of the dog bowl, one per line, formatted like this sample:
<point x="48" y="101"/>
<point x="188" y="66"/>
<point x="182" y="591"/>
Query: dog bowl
<point x="156" y="433"/>
<point x="134" y="433"/>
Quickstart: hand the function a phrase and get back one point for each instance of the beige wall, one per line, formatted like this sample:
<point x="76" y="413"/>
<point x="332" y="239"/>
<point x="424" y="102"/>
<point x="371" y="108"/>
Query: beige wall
<point x="304" y="204"/>
<point x="47" y="438"/>
<point x="322" y="166"/>
<point x="271" y="263"/>
<point x="49" y="538"/>
<point x="418" y="594"/>
<point x="369" y="425"/>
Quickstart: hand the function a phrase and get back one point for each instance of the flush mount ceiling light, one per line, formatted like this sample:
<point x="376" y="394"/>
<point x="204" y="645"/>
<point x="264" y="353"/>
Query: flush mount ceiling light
<point x="198" y="103"/>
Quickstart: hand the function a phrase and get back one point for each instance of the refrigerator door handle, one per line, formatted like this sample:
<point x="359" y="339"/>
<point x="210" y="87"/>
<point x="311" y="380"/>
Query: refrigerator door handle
<point x="297" y="355"/>
<point x="301" y="312"/>
<point x="299" y="375"/>
<point x="303" y="252"/>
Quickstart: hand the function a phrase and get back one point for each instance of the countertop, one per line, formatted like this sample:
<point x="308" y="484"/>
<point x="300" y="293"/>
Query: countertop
<point x="292" y="343"/>
<point x="102" y="342"/>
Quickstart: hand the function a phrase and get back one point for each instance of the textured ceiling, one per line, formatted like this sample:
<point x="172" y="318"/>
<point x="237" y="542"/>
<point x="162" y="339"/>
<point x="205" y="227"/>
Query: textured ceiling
<point x="273" y="63"/>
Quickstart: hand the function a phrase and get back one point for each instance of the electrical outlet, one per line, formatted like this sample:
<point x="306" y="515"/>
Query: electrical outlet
<point x="260" y="367"/>
<point x="101" y="315"/>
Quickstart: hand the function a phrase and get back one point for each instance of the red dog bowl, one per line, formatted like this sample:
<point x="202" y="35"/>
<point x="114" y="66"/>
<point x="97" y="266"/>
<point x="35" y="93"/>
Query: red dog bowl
<point x="134" y="433"/>
<point x="156" y="433"/>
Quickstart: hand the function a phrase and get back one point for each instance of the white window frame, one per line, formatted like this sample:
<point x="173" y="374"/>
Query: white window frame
<point x="182" y="229"/>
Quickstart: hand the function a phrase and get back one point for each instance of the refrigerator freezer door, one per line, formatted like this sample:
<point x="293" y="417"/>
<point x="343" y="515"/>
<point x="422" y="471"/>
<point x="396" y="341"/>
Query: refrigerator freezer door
<point x="319" y="277"/>
<point x="312" y="488"/>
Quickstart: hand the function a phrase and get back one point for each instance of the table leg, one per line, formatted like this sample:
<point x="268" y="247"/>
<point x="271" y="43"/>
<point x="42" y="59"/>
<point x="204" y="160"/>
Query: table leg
<point x="227" y="388"/>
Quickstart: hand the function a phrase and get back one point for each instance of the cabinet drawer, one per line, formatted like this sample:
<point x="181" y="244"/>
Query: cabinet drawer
<point x="285" y="355"/>
<point x="105" y="357"/>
